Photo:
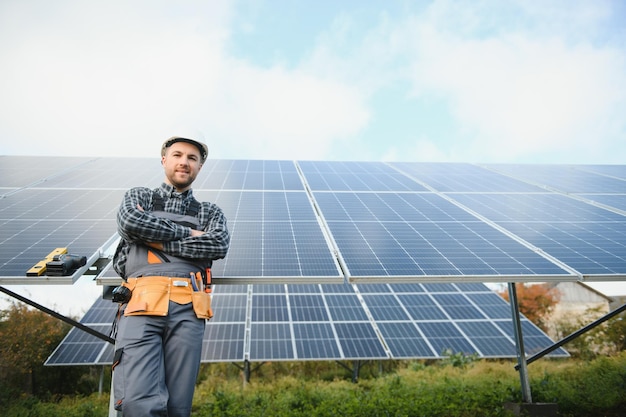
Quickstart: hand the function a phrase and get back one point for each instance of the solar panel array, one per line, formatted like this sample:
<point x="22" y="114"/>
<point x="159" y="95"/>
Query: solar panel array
<point x="339" y="260"/>
<point x="330" y="221"/>
<point x="275" y="322"/>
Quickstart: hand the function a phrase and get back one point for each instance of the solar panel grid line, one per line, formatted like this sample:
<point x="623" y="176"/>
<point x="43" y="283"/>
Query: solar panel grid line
<point x="617" y="172"/>
<point x="332" y="244"/>
<point x="486" y="315"/>
<point x="51" y="176"/>
<point x="247" y="332"/>
<point x="401" y="246"/>
<point x="286" y="229"/>
<point x="573" y="274"/>
<point x="612" y="201"/>
<point x="338" y="252"/>
<point x="452" y="321"/>
<point x="534" y="221"/>
<point x="412" y="321"/>
<point x="519" y="178"/>
<point x="77" y="341"/>
<point x="595" y="203"/>
<point x="291" y="324"/>
<point x="489" y="338"/>
<point x="561" y="264"/>
<point x="369" y="274"/>
<point x="332" y="326"/>
<point x="533" y="336"/>
<point x="371" y="320"/>
<point x="560" y="178"/>
<point x="313" y="319"/>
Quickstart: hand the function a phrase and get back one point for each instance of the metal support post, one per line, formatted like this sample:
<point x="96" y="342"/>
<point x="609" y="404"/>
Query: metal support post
<point x="519" y="343"/>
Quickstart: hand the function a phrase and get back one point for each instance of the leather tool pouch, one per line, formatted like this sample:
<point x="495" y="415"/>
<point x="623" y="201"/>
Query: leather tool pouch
<point x="150" y="296"/>
<point x="202" y="304"/>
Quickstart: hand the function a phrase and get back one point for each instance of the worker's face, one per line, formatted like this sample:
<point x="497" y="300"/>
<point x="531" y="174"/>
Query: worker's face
<point x="181" y="164"/>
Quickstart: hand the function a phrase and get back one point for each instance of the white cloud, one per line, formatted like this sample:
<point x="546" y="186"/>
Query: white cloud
<point x="120" y="90"/>
<point x="115" y="78"/>
<point x="275" y="113"/>
<point x="106" y="79"/>
<point x="422" y="150"/>
<point x="516" y="96"/>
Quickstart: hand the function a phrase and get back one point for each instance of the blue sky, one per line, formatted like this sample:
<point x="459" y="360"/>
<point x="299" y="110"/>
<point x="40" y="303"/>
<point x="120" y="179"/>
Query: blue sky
<point x="480" y="81"/>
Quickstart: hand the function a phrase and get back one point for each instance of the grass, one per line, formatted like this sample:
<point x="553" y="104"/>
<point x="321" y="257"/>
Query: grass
<point x="413" y="388"/>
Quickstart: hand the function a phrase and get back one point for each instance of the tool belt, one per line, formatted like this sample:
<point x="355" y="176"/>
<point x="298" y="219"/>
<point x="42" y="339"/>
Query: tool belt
<point x="151" y="296"/>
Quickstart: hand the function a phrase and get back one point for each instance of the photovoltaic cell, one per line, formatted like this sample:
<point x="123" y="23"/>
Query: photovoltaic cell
<point x="462" y="178"/>
<point x="308" y="308"/>
<point x="407" y="228"/>
<point x="533" y="336"/>
<point x="315" y="341"/>
<point x="274" y="235"/>
<point x="355" y="176"/>
<point x="359" y="341"/>
<point x="271" y="341"/>
<point x="433" y="238"/>
<point x="315" y="322"/>
<point x="487" y="338"/>
<point x="445" y="336"/>
<point x="565" y="178"/>
<point x="249" y="175"/>
<point x="617" y="201"/>
<point x="589" y="239"/>
<point x="223" y="342"/>
<point x="405" y="341"/>
<point x="35" y="222"/>
<point x="22" y="171"/>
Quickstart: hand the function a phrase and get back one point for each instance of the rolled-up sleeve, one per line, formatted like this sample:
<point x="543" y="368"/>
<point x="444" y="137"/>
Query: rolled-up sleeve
<point x="136" y="224"/>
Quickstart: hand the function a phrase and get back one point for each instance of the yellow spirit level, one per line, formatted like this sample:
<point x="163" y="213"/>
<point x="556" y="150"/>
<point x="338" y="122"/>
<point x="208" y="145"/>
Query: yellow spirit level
<point x="40" y="267"/>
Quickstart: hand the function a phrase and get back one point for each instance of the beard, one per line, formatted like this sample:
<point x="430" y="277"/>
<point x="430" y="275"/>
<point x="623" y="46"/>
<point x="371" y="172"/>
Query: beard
<point x="181" y="181"/>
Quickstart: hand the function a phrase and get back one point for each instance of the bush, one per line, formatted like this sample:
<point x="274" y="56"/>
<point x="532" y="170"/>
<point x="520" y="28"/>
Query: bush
<point x="408" y="389"/>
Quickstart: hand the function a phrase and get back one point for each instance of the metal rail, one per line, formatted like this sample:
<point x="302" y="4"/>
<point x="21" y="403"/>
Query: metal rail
<point x="574" y="335"/>
<point x="59" y="316"/>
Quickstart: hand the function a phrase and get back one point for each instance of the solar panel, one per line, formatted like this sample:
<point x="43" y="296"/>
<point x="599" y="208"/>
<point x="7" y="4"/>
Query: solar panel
<point x="589" y="239"/>
<point x="397" y="236"/>
<point x="14" y="175"/>
<point x="33" y="222"/>
<point x="616" y="201"/>
<point x="355" y="176"/>
<point x="365" y="221"/>
<point x="456" y="177"/>
<point x="567" y="178"/>
<point x="339" y="260"/>
<point x="276" y="234"/>
<point x="280" y="322"/>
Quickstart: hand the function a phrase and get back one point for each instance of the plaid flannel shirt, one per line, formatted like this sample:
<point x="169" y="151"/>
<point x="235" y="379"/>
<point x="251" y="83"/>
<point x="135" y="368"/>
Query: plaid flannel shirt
<point x="140" y="225"/>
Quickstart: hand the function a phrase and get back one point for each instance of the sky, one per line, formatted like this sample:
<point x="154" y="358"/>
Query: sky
<point x="532" y="81"/>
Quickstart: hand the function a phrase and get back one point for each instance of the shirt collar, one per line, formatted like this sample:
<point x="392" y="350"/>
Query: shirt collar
<point x="169" y="191"/>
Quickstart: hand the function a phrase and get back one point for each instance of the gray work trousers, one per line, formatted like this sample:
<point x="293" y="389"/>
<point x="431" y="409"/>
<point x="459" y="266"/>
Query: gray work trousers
<point x="159" y="363"/>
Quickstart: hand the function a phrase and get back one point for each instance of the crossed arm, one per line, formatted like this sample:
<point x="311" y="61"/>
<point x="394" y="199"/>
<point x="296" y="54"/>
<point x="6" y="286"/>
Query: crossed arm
<point x="138" y="225"/>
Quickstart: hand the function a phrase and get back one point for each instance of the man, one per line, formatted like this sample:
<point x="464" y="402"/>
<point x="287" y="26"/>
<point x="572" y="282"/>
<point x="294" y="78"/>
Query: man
<point x="168" y="242"/>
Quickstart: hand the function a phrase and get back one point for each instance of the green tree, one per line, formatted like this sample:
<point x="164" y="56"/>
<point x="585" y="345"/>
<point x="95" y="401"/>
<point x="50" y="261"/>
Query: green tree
<point x="27" y="338"/>
<point x="616" y="332"/>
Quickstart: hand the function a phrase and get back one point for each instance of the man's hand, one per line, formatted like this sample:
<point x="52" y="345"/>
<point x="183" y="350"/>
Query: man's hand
<point x="155" y="245"/>
<point x="196" y="233"/>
